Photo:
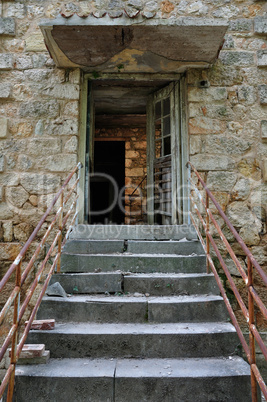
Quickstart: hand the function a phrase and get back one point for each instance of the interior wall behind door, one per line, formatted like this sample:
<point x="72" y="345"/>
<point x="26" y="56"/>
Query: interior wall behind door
<point x="135" y="168"/>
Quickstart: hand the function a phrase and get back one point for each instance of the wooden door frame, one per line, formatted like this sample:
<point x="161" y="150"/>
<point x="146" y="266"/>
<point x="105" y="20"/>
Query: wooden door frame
<point x="86" y="78"/>
<point x="179" y="150"/>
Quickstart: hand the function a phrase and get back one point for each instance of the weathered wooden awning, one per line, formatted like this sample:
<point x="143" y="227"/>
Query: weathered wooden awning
<point x="134" y="46"/>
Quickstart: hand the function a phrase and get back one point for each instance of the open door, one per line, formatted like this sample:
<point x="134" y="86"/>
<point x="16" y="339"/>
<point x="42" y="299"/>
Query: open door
<point x="164" y="156"/>
<point x="89" y="155"/>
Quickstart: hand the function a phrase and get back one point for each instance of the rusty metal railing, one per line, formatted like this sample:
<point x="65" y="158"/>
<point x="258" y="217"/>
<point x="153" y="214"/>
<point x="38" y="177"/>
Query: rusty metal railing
<point x="59" y="222"/>
<point x="252" y="266"/>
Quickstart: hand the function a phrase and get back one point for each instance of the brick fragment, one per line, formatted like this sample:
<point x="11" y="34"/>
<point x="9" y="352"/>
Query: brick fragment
<point x="31" y="351"/>
<point x="44" y="325"/>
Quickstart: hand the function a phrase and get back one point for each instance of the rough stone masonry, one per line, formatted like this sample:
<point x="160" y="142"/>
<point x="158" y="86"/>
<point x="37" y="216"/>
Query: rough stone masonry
<point x="40" y="114"/>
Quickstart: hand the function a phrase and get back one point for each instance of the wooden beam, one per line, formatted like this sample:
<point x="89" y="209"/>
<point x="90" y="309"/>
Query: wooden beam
<point x="127" y="120"/>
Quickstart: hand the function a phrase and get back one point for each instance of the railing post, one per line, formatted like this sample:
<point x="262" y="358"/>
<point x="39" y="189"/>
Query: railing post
<point x="13" y="359"/>
<point x="77" y="190"/>
<point x="207" y="231"/>
<point x="60" y="223"/>
<point x="251" y="336"/>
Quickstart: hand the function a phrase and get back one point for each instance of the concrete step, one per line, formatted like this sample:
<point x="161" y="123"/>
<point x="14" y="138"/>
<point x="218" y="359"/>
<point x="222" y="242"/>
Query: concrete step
<point x="171" y="284"/>
<point x="89" y="283"/>
<point x="132" y="263"/>
<point x="179" y="247"/>
<point x="182" y="247"/>
<point x="75" y="340"/>
<point x="134" y="232"/>
<point x="94" y="246"/>
<point x="82" y="308"/>
<point x="151" y="380"/>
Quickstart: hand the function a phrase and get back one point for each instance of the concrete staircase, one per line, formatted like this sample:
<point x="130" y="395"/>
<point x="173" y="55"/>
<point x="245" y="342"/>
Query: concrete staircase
<point x="144" y="322"/>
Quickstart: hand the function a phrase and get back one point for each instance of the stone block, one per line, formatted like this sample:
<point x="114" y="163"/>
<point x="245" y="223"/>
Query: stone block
<point x="5" y="90"/>
<point x="46" y="146"/>
<point x="61" y="163"/>
<point x="22" y="232"/>
<point x="35" y="43"/>
<point x="63" y="127"/>
<point x="205" y="125"/>
<point x="206" y="95"/>
<point x="6" y="61"/>
<point x="250" y="235"/>
<point x="239" y="214"/>
<point x="24" y="62"/>
<point x="260" y="25"/>
<point x="263" y="94"/>
<point x="262" y="58"/>
<point x="7" y="26"/>
<point x="2" y="163"/>
<point x="37" y="183"/>
<point x="39" y="109"/>
<point x="9" y="251"/>
<point x="265" y="171"/>
<point x="17" y="10"/>
<point x="247" y="94"/>
<point x="71" y="145"/>
<point x="241" y="25"/>
<point x="212" y="162"/>
<point x="241" y="190"/>
<point x="63" y="91"/>
<point x="17" y="196"/>
<point x="237" y="58"/>
<point x="3" y="127"/>
<point x="264" y="130"/>
<point x="8" y="231"/>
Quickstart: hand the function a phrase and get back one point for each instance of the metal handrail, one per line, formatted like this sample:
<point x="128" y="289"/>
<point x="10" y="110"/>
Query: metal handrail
<point x="141" y="196"/>
<point x="14" y="298"/>
<point x="253" y="297"/>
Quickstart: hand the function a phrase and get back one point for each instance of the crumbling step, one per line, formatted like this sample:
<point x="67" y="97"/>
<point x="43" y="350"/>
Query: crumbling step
<point x="89" y="282"/>
<point x="182" y="247"/>
<point x="93" y="340"/>
<point x="185" y="380"/>
<point x="151" y="380"/>
<point x="94" y="246"/>
<point x="171" y="284"/>
<point x="134" y="232"/>
<point x="82" y="308"/>
<point x="132" y="263"/>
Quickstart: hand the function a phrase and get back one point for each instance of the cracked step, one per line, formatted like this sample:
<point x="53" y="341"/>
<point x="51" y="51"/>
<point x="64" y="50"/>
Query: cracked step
<point x="152" y="380"/>
<point x="134" y="232"/>
<point x="143" y="263"/>
<point x="93" y="340"/>
<point x="91" y="308"/>
<point x="171" y="284"/>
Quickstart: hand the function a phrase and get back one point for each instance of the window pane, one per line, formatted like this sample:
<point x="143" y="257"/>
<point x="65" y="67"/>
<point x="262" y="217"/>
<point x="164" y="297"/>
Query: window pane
<point x="158" y="110"/>
<point x="167" y="146"/>
<point x="166" y="106"/>
<point x="166" y="126"/>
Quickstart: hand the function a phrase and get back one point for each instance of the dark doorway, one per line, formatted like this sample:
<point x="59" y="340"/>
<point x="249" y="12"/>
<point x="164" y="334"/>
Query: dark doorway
<point x="107" y="183"/>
